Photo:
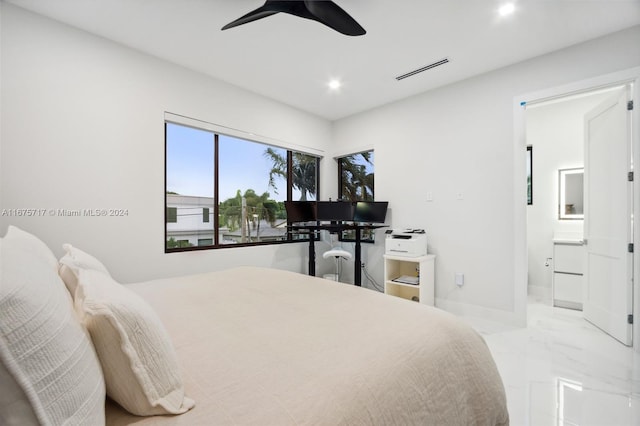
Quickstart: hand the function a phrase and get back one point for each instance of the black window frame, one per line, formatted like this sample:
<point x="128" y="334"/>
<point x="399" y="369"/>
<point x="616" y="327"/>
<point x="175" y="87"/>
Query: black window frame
<point x="290" y="238"/>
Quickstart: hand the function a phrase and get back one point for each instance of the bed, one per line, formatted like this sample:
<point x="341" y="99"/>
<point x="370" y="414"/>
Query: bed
<point x="260" y="346"/>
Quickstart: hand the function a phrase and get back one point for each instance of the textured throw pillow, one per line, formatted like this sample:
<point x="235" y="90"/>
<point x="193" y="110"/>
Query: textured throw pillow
<point x="15" y="408"/>
<point x="138" y="359"/>
<point x="32" y="244"/>
<point x="43" y="347"/>
<point x="72" y="262"/>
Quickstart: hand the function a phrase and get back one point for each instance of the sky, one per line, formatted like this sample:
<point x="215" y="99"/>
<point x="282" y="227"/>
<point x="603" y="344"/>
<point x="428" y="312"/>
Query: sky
<point x="242" y="164"/>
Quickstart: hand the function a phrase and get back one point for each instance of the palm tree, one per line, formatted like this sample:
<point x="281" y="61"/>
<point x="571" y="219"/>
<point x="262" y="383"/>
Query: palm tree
<point x="240" y="211"/>
<point x="231" y="211"/>
<point x="304" y="171"/>
<point x="261" y="208"/>
<point x="356" y="181"/>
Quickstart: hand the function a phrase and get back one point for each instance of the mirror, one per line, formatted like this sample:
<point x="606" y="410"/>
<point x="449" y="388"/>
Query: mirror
<point x="571" y="185"/>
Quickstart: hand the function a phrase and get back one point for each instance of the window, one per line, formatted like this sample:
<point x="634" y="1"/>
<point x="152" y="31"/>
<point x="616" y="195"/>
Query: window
<point x="224" y="191"/>
<point x="172" y="215"/>
<point x="355" y="183"/>
<point x="356" y="173"/>
<point x="304" y="177"/>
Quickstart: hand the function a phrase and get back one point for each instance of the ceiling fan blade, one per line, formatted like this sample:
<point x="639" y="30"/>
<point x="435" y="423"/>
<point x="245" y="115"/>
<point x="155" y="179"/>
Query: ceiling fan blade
<point x="326" y="12"/>
<point x="254" y="15"/>
<point x="333" y="16"/>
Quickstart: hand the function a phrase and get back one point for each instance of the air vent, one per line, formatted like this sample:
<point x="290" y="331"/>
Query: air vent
<point x="425" y="68"/>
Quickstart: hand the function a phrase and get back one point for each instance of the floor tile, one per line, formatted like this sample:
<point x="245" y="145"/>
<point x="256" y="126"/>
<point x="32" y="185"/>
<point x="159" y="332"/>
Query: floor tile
<point x="562" y="370"/>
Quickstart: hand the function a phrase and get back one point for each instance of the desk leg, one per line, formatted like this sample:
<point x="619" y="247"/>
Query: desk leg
<point x="312" y="253"/>
<point x="357" y="273"/>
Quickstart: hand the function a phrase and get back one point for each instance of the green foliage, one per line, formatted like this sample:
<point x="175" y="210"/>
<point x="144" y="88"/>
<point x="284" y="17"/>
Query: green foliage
<point x="172" y="243"/>
<point x="258" y="207"/>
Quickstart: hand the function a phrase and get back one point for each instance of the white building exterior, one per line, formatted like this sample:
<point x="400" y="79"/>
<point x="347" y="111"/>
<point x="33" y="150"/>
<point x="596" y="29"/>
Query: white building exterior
<point x="190" y="220"/>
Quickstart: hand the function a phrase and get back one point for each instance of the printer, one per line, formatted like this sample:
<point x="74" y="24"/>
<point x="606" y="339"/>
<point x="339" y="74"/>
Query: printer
<point x="408" y="242"/>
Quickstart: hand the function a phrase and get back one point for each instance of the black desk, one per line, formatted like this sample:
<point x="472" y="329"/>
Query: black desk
<point x="311" y="231"/>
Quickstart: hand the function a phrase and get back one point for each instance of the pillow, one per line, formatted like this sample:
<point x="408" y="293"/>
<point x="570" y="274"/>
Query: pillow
<point x="32" y="244"/>
<point x="138" y="360"/>
<point x="43" y="347"/>
<point x="15" y="408"/>
<point x="72" y="262"/>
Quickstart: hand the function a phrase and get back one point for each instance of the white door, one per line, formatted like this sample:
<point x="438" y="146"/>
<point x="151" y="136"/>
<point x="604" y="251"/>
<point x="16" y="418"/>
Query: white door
<point x="608" y="276"/>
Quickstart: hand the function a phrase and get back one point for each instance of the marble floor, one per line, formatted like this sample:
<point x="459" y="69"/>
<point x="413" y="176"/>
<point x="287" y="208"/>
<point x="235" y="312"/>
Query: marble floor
<point x="561" y="370"/>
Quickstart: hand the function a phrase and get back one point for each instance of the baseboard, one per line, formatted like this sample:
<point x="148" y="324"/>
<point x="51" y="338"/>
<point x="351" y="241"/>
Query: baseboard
<point x="465" y="309"/>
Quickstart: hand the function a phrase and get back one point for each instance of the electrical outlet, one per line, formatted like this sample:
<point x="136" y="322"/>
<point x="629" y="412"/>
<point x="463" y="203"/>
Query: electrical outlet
<point x="362" y="265"/>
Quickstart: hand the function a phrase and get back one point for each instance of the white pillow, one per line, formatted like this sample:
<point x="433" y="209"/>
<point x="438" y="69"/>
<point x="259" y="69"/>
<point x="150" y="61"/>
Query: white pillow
<point x="72" y="262"/>
<point x="43" y="346"/>
<point x="32" y="244"/>
<point x="138" y="360"/>
<point x="15" y="408"/>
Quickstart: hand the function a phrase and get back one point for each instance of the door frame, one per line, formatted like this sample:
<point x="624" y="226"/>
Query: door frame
<point x="631" y="75"/>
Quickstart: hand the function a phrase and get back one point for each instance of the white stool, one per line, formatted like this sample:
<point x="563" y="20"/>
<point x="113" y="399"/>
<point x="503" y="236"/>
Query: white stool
<point x="338" y="254"/>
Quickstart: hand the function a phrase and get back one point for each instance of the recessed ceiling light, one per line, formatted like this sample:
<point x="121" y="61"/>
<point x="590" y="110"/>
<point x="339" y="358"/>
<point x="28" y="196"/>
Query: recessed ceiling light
<point x="334" y="84"/>
<point x="506" y="9"/>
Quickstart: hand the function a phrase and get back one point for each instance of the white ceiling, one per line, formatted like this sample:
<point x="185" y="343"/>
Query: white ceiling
<point x="291" y="59"/>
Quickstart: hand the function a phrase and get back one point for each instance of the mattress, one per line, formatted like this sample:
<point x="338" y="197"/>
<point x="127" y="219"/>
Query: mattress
<point x="270" y="347"/>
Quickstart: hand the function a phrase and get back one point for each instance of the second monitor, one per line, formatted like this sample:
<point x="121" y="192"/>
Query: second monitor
<point x="341" y="211"/>
<point x="370" y="211"/>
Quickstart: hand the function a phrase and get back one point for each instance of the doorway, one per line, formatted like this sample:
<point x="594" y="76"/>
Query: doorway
<point x="555" y="134"/>
<point x="552" y="122"/>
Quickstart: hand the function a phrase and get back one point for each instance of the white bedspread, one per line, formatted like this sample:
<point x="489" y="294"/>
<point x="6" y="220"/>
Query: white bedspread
<point x="270" y="347"/>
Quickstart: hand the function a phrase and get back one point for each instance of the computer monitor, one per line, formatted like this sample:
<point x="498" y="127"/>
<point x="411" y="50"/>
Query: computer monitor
<point x="339" y="211"/>
<point x="370" y="211"/>
<point x="300" y="211"/>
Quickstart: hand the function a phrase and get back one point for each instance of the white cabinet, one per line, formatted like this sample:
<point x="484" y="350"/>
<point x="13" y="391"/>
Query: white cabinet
<point x="420" y="270"/>
<point x="568" y="269"/>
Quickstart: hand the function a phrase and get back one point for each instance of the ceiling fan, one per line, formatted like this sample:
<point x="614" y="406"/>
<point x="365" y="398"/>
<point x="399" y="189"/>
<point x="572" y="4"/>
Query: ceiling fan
<point x="326" y="12"/>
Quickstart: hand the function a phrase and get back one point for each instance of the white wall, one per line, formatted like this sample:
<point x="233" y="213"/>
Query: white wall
<point x="83" y="128"/>
<point x="556" y="132"/>
<point x="459" y="140"/>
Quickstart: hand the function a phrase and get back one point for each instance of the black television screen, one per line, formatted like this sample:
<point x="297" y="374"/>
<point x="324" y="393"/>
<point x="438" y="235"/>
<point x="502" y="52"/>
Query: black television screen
<point x="300" y="211"/>
<point x="370" y="211"/>
<point x="335" y="211"/>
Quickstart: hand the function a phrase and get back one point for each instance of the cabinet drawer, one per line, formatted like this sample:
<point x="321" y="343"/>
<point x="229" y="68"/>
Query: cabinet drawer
<point x="568" y="258"/>
<point x="567" y="287"/>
